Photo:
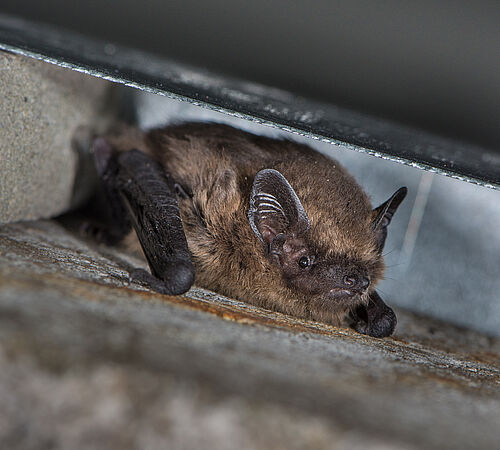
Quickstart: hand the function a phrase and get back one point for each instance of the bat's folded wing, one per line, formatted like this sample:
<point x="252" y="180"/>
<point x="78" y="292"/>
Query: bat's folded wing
<point x="148" y="193"/>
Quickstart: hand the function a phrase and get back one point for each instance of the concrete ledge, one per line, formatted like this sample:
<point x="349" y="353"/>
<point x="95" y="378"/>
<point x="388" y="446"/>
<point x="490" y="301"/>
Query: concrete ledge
<point x="41" y="107"/>
<point x="89" y="360"/>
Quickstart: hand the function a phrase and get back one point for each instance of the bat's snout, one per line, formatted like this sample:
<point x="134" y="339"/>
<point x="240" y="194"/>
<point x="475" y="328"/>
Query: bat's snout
<point x="355" y="282"/>
<point x="349" y="279"/>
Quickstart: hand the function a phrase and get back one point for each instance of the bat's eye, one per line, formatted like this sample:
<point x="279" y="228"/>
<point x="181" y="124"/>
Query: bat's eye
<point x="304" y="262"/>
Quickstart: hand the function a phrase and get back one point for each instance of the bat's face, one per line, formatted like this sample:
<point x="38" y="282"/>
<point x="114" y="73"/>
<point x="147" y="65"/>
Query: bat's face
<point x="323" y="273"/>
<point x="314" y="273"/>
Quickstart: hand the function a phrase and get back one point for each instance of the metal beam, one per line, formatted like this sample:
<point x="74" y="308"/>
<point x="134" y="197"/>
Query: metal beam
<point x="254" y="102"/>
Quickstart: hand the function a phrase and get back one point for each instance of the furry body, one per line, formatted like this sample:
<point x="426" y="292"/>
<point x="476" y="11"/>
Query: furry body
<point x="215" y="166"/>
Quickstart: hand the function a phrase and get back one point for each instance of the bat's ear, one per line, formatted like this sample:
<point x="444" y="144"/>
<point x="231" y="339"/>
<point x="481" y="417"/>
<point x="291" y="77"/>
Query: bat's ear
<point x="383" y="215"/>
<point x="103" y="152"/>
<point x="275" y="208"/>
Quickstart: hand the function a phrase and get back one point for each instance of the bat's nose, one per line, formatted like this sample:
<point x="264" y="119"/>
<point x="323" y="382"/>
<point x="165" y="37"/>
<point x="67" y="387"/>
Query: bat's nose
<point x="364" y="282"/>
<point x="356" y="282"/>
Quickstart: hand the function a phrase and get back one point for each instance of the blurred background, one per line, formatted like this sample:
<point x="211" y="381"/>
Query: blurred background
<point x="434" y="65"/>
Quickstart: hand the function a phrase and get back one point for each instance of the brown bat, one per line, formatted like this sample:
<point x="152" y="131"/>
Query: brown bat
<point x="270" y="222"/>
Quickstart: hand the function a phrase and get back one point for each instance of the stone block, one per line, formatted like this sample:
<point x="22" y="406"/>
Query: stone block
<point x="41" y="106"/>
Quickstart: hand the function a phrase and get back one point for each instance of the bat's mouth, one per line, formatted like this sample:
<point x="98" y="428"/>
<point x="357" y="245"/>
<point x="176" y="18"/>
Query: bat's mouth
<point x="341" y="293"/>
<point x="337" y="299"/>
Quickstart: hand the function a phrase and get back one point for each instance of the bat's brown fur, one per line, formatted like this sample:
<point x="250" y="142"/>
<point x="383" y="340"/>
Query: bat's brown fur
<point x="216" y="164"/>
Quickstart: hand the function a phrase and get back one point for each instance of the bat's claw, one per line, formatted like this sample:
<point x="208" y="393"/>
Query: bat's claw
<point x="144" y="278"/>
<point x="375" y="319"/>
<point x="178" y="282"/>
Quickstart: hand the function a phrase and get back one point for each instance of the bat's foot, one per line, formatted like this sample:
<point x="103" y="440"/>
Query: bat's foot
<point x="379" y="327"/>
<point x="178" y="280"/>
<point x="375" y="319"/>
<point x="101" y="233"/>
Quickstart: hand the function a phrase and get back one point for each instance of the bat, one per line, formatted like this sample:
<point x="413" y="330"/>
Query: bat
<point x="267" y="221"/>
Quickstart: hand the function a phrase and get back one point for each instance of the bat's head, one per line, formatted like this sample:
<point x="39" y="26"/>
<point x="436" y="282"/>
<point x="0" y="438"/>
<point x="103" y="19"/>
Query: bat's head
<point x="334" y="267"/>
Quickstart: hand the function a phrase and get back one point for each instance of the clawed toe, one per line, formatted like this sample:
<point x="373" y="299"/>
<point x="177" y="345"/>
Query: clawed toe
<point x="178" y="284"/>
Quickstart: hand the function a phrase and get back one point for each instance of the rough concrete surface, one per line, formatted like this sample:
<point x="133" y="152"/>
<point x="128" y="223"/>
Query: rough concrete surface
<point x="41" y="106"/>
<point x="88" y="360"/>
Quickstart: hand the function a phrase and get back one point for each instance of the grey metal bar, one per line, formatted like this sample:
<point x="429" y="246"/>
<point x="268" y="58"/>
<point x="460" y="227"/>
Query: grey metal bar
<point x="254" y="102"/>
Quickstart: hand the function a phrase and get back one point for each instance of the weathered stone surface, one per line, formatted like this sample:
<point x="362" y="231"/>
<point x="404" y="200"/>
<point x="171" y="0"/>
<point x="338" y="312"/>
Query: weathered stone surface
<point x="41" y="107"/>
<point x="88" y="360"/>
